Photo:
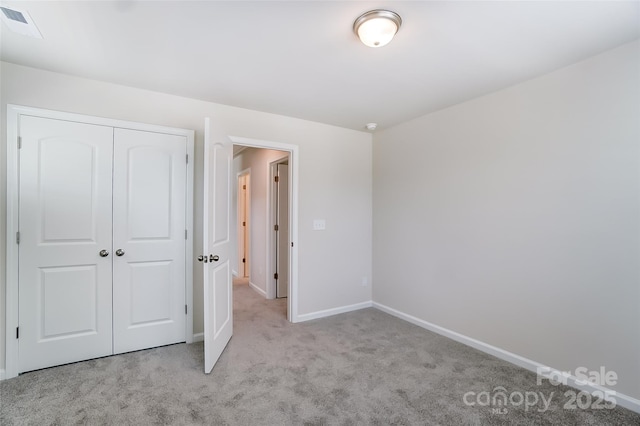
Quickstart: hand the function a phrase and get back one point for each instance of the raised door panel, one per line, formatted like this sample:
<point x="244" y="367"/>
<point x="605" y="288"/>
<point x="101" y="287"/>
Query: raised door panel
<point x="65" y="221"/>
<point x="149" y="239"/>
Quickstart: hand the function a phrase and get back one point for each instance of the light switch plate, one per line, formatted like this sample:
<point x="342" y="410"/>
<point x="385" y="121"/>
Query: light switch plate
<point x="319" y="225"/>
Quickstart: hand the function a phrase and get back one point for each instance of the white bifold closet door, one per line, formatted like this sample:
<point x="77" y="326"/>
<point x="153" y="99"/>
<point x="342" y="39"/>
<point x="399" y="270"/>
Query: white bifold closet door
<point x="65" y="221"/>
<point x="149" y="172"/>
<point x="102" y="241"/>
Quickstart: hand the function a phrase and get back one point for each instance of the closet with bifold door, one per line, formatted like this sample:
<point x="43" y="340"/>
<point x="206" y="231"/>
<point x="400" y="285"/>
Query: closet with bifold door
<point x="102" y="238"/>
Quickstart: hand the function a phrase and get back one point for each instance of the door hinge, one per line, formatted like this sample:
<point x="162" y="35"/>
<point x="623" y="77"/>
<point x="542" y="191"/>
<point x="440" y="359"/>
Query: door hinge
<point x="187" y="158"/>
<point x="244" y="186"/>
<point x="275" y="276"/>
<point x="291" y="243"/>
<point x="19" y="142"/>
<point x="275" y="227"/>
<point x="185" y="234"/>
<point x="244" y="260"/>
<point x="244" y="223"/>
<point x="277" y="178"/>
<point x="18" y="237"/>
<point x="185" y="309"/>
<point x="17" y="332"/>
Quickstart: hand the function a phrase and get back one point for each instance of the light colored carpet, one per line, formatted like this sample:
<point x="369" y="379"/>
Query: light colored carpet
<point x="363" y="367"/>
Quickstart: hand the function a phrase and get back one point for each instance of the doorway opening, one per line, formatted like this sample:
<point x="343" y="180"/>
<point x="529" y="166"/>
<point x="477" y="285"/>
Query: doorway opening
<point x="243" y="223"/>
<point x="266" y="219"/>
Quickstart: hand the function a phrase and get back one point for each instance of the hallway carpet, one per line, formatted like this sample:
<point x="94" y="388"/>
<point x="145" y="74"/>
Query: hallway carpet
<point x="359" y="368"/>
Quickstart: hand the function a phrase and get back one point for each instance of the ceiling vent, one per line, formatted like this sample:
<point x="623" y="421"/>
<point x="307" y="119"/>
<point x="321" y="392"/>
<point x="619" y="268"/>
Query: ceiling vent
<point x="19" y="22"/>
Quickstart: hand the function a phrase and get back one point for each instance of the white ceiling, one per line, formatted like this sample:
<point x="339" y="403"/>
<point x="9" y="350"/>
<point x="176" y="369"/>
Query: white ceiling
<point x="301" y="58"/>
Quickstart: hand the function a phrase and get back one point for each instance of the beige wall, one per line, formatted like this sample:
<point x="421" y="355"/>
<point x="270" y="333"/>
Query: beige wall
<point x="514" y="219"/>
<point x="335" y="175"/>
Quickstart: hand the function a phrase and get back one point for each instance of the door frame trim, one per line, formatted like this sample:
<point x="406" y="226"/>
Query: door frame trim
<point x="247" y="211"/>
<point x="12" y="358"/>
<point x="294" y="155"/>
<point x="272" y="242"/>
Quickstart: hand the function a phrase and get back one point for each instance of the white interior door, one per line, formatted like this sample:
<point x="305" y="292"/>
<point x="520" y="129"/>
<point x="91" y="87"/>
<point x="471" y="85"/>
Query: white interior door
<point x="243" y="226"/>
<point x="218" y="295"/>
<point x="282" y="241"/>
<point x="247" y="228"/>
<point x="149" y="197"/>
<point x="65" y="222"/>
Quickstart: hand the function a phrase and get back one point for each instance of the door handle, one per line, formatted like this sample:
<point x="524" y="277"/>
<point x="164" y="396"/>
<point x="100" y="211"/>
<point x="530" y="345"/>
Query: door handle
<point x="207" y="259"/>
<point x="119" y="252"/>
<point x="103" y="253"/>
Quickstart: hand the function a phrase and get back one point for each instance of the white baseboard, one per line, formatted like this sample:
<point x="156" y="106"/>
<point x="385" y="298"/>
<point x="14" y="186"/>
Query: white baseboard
<point x="621" y="399"/>
<point x="2" y="374"/>
<point x="333" y="311"/>
<point x="198" y="337"/>
<point x="258" y="290"/>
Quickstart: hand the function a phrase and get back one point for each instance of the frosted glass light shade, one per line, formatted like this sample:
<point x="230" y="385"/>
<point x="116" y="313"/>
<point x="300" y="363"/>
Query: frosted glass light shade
<point x="376" y="28"/>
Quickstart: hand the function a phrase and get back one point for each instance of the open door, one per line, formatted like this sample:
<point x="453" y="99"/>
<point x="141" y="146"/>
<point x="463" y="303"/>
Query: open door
<point x="282" y="230"/>
<point x="215" y="258"/>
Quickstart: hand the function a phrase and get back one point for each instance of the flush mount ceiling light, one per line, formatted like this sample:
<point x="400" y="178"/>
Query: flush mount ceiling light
<point x="376" y="28"/>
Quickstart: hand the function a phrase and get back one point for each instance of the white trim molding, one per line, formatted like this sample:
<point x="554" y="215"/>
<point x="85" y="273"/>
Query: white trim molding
<point x="334" y="311"/>
<point x="622" y="400"/>
<point x="13" y="213"/>
<point x="189" y="211"/>
<point x="258" y="290"/>
<point x="197" y="337"/>
<point x="2" y="375"/>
